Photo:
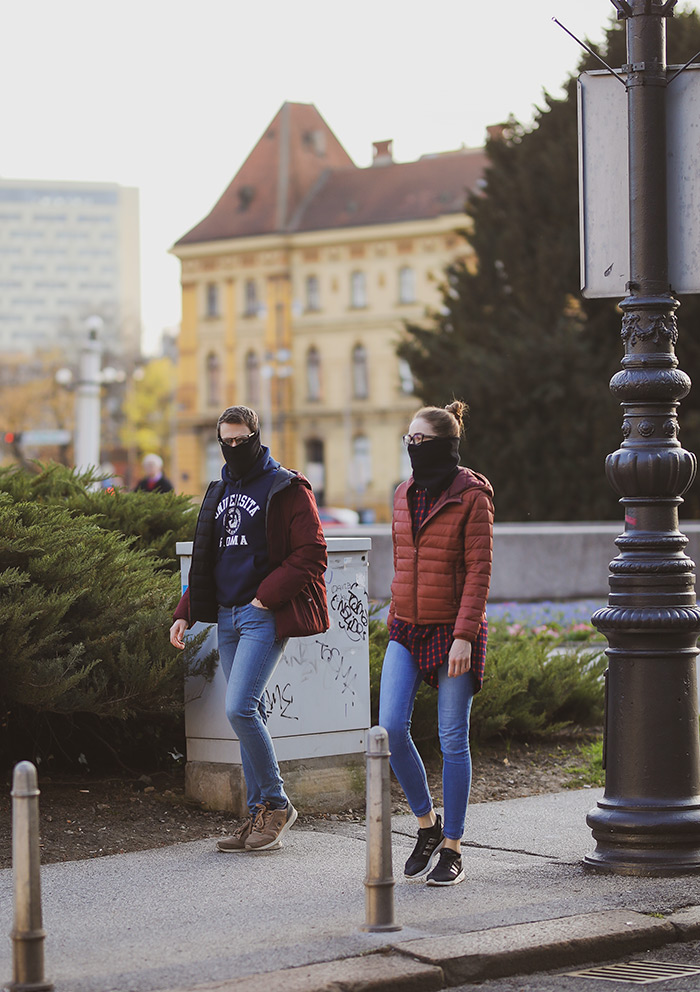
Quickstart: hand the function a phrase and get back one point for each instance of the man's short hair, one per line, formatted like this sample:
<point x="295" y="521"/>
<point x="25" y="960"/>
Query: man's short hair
<point x="239" y="415"/>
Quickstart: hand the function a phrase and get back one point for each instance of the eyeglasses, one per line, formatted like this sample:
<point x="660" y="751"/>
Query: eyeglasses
<point x="417" y="438"/>
<point x="234" y="442"/>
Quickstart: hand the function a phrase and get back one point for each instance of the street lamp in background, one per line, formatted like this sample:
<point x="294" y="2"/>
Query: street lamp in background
<point x="91" y="377"/>
<point x="87" y="400"/>
<point x="275" y="368"/>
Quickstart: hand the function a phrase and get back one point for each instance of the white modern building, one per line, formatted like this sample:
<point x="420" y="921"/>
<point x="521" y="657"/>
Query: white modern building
<point x="68" y="251"/>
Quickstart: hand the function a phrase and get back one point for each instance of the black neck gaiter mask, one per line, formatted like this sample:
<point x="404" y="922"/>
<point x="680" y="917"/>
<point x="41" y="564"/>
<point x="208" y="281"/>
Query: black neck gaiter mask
<point x="434" y="463"/>
<point x="241" y="458"/>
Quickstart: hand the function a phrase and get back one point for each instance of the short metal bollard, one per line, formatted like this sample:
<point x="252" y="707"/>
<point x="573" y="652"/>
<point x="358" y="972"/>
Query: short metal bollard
<point x="28" y="933"/>
<point x="379" y="880"/>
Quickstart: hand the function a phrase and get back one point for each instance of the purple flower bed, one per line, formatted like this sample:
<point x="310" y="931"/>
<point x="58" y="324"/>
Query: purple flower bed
<point x="541" y="614"/>
<point x="572" y="616"/>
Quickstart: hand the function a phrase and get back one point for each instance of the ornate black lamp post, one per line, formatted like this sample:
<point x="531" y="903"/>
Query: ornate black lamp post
<point x="648" y="821"/>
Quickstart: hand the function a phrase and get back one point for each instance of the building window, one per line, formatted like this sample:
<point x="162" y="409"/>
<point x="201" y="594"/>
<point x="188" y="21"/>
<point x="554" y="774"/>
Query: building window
<point x="361" y="463"/>
<point x="313" y="297"/>
<point x="360" y="373"/>
<point x="407" y="284"/>
<point x="315" y="469"/>
<point x="212" y="457"/>
<point x="405" y="467"/>
<point x="280" y="325"/>
<point x="213" y="379"/>
<point x="358" y="290"/>
<point x="252" y="379"/>
<point x="406" y="383"/>
<point x="251" y="298"/>
<point x="313" y="375"/>
<point x="212" y="300"/>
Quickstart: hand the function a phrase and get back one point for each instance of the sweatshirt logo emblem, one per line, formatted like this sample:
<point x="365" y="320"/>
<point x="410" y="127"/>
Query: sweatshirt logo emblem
<point x="232" y="522"/>
<point x="232" y="508"/>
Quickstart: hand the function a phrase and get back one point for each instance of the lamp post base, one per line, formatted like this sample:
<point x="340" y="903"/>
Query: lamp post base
<point x="651" y="840"/>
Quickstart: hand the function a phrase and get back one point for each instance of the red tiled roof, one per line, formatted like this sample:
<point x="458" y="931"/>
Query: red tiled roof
<point x="299" y="177"/>
<point x="385" y="194"/>
<point x="296" y="148"/>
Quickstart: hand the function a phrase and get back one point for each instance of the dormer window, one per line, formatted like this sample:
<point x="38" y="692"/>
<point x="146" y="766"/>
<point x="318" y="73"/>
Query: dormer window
<point x="246" y="195"/>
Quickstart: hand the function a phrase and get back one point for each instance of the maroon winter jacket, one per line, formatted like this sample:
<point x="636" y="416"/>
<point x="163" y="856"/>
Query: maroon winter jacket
<point x="295" y="588"/>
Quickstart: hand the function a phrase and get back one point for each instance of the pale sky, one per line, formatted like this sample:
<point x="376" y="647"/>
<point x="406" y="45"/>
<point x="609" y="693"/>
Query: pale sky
<point x="170" y="96"/>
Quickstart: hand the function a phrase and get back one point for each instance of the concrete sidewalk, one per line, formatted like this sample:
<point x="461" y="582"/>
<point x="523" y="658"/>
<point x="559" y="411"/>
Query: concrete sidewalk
<point x="186" y="916"/>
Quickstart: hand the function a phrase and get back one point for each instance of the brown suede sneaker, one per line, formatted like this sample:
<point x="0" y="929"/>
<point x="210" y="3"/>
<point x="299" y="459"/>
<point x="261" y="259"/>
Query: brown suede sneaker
<point x="236" y="842"/>
<point x="269" y="827"/>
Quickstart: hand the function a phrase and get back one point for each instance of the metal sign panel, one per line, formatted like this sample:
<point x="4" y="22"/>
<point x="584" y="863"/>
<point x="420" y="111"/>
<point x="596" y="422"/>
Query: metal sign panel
<point x="604" y="183"/>
<point x="46" y="437"/>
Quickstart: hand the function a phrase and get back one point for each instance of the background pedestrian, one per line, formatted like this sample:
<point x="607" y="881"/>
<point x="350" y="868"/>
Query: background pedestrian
<point x="153" y="481"/>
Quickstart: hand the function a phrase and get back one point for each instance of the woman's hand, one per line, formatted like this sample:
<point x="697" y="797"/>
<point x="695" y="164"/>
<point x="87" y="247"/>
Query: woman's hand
<point x="256" y="602"/>
<point x="460" y="657"/>
<point x="177" y="632"/>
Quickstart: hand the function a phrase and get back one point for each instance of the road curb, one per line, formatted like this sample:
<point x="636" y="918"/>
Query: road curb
<point x="375" y="972"/>
<point x="687" y="922"/>
<point x="527" y="947"/>
<point x="429" y="964"/>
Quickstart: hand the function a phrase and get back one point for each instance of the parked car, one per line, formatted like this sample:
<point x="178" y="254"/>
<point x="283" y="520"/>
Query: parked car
<point x="338" y="516"/>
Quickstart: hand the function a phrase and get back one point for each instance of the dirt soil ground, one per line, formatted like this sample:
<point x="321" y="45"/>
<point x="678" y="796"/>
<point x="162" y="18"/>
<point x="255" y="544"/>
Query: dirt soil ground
<point x="89" y="818"/>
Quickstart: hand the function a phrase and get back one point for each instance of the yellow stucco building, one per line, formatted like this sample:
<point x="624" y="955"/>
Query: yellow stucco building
<point x="295" y="289"/>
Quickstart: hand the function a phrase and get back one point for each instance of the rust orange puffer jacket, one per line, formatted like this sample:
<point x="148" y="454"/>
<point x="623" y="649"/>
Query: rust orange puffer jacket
<point x="443" y="575"/>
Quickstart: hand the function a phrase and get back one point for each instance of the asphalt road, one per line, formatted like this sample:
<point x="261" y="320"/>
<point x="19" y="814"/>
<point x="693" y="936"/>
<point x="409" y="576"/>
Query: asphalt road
<point x="560" y="980"/>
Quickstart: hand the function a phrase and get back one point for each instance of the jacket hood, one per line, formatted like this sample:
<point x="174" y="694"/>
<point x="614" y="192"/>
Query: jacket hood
<point x="467" y="478"/>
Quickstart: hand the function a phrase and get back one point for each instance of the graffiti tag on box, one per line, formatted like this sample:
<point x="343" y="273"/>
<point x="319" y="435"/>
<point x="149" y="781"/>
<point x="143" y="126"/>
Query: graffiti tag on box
<point x="323" y="666"/>
<point x="349" y="603"/>
<point x="278" y="700"/>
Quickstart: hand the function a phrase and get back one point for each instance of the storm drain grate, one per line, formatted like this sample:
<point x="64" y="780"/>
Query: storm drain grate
<point x="638" y="972"/>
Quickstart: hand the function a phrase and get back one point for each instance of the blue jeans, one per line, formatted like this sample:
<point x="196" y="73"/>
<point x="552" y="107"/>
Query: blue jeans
<point x="249" y="650"/>
<point x="401" y="679"/>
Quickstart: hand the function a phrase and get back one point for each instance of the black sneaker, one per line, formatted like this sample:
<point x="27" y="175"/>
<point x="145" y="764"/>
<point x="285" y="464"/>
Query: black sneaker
<point x="430" y="840"/>
<point x="449" y="870"/>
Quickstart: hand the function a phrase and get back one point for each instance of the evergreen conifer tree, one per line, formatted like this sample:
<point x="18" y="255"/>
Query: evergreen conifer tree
<point x="515" y="339"/>
<point x="88" y="585"/>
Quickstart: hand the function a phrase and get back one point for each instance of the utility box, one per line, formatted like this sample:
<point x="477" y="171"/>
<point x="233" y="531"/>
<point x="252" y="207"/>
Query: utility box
<point x="317" y="702"/>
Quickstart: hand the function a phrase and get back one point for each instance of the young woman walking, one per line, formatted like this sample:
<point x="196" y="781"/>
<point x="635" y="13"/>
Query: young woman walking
<point x="442" y="529"/>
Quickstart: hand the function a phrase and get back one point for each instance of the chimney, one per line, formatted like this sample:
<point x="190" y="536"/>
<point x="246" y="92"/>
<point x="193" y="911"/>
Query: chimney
<point x="496" y="132"/>
<point x="381" y="152"/>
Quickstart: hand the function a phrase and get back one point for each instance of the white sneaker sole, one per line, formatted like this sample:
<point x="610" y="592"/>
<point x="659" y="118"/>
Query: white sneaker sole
<point x="243" y="850"/>
<point x="277" y="842"/>
<point x="452" y="881"/>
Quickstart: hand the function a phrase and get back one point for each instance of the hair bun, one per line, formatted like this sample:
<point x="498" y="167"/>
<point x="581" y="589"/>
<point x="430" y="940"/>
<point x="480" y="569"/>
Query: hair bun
<point x="458" y="409"/>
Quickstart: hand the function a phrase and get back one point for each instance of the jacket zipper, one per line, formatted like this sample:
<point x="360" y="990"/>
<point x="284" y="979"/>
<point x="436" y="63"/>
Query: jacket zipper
<point x="415" y="581"/>
<point x="436" y="509"/>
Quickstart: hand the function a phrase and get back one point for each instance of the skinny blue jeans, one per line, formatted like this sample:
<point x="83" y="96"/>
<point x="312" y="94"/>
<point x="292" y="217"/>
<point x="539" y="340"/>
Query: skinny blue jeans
<point x="249" y="650"/>
<point x="401" y="679"/>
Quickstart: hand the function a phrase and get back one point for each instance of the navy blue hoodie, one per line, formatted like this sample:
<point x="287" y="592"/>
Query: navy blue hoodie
<point x="240" y="533"/>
